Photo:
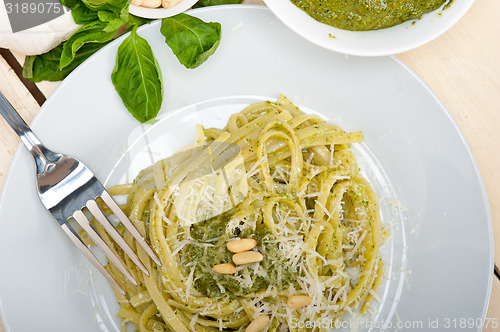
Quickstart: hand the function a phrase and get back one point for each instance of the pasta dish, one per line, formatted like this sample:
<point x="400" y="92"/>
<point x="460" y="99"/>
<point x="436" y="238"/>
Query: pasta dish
<point x="258" y="225"/>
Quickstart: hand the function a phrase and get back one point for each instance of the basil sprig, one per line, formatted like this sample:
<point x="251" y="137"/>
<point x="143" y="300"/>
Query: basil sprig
<point x="99" y="28"/>
<point x="137" y="78"/>
<point x="82" y="14"/>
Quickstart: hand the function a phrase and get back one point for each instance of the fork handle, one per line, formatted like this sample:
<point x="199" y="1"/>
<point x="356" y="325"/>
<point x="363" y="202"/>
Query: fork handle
<point x="43" y="156"/>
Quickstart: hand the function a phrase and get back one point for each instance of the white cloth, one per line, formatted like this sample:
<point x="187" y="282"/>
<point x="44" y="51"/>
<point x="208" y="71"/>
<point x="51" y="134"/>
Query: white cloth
<point x="36" y="40"/>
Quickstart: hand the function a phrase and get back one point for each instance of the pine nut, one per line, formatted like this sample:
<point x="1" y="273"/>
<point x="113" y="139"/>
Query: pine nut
<point x="225" y="268"/>
<point x="298" y="301"/>
<point x="241" y="245"/>
<point x="136" y="2"/>
<point x="258" y="324"/>
<point x="247" y="257"/>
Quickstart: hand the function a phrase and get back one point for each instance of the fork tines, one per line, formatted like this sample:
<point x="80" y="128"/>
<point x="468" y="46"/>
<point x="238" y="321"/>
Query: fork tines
<point x="66" y="185"/>
<point x="86" y="225"/>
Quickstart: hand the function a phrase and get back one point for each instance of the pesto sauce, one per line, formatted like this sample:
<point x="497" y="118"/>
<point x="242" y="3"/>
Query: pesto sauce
<point x="364" y="15"/>
<point x="208" y="248"/>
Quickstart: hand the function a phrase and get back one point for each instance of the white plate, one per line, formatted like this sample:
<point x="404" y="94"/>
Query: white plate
<point x="440" y="257"/>
<point x="400" y="38"/>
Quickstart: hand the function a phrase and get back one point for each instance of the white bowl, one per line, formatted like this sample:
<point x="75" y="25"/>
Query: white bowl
<point x="155" y="13"/>
<point x="397" y="39"/>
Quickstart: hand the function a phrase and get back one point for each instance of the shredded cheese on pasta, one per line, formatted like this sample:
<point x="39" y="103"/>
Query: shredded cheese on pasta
<point x="317" y="220"/>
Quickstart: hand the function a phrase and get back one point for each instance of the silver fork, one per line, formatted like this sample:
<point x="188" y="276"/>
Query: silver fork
<point x="66" y="187"/>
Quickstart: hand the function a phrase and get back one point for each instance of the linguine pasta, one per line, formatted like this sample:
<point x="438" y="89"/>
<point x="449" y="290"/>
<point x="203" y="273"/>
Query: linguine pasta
<point x="291" y="184"/>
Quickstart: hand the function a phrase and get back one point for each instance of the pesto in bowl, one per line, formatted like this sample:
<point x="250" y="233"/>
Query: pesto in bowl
<point x="367" y="33"/>
<point x="365" y="15"/>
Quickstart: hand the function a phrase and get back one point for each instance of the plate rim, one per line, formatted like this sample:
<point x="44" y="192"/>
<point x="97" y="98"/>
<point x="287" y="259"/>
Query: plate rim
<point x="477" y="174"/>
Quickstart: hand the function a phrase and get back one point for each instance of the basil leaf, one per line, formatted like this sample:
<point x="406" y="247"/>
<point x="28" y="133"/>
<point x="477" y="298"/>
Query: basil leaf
<point x="69" y="3"/>
<point x="191" y="39"/>
<point x="132" y="20"/>
<point x="106" y="16"/>
<point x="115" y="20"/>
<point x="111" y="5"/>
<point x="45" y="67"/>
<point x="206" y="3"/>
<point x="137" y="78"/>
<point x="82" y="15"/>
<point x="113" y="25"/>
<point x="89" y="33"/>
<point x="112" y="20"/>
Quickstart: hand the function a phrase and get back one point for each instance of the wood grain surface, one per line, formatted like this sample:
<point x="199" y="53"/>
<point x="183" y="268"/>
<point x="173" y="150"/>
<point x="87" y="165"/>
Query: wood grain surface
<point x="462" y="67"/>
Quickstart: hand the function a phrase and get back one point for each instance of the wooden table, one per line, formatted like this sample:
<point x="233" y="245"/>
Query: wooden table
<point x="462" y="67"/>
